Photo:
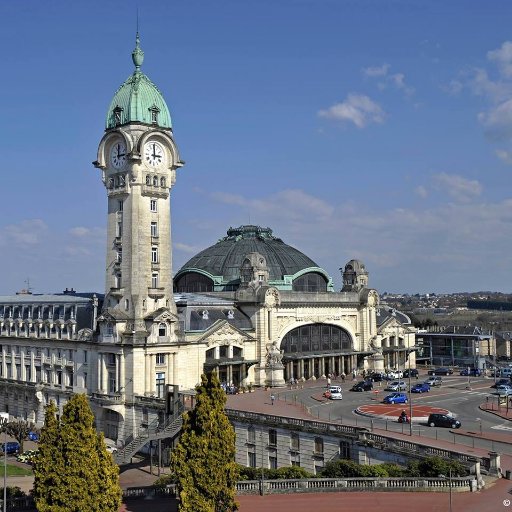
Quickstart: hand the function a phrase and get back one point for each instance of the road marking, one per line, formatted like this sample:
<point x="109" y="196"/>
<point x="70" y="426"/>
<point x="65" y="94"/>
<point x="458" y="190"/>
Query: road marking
<point x="501" y="427"/>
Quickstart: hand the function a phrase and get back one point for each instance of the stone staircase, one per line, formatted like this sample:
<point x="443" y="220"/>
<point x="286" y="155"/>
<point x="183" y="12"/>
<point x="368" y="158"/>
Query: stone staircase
<point x="155" y="430"/>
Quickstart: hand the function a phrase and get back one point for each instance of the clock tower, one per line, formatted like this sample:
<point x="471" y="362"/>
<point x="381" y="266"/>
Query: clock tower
<point x="138" y="158"/>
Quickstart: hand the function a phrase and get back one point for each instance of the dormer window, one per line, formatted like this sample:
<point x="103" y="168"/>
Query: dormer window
<point x="204" y="314"/>
<point x="154" y="114"/>
<point x="117" y="115"/>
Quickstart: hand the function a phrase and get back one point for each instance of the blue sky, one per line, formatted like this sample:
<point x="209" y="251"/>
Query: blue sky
<point x="377" y="130"/>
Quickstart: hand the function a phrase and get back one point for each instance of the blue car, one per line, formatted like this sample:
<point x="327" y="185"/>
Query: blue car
<point x="473" y="372"/>
<point x="12" y="447"/>
<point x="395" y="398"/>
<point x="422" y="387"/>
<point x="33" y="436"/>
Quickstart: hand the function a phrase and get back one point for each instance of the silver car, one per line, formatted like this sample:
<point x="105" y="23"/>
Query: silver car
<point x="397" y="385"/>
<point x="503" y="390"/>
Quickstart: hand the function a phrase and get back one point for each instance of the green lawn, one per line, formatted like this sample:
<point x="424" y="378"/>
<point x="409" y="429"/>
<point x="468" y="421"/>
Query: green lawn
<point x="14" y="471"/>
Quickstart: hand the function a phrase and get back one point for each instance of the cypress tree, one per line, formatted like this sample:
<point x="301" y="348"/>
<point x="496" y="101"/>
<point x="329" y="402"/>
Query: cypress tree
<point x="49" y="465"/>
<point x="84" y="475"/>
<point x="204" y="459"/>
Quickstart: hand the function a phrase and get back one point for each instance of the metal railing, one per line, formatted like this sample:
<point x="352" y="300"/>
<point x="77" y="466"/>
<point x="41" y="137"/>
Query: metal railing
<point x="170" y="428"/>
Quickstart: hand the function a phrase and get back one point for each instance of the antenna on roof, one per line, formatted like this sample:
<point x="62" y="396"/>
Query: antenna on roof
<point x="27" y="282"/>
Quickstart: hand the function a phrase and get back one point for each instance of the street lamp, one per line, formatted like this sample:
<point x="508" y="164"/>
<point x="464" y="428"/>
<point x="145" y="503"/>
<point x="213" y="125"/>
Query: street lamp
<point x="4" y="427"/>
<point x="410" y="394"/>
<point x="449" y="486"/>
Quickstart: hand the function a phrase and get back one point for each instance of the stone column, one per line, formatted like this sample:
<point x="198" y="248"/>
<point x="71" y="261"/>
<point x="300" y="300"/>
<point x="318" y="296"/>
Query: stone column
<point x="494" y="464"/>
<point x="147" y="376"/>
<point x="104" y="373"/>
<point x="301" y="369"/>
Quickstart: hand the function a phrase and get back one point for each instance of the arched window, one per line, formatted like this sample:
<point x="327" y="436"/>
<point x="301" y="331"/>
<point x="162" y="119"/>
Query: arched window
<point x="148" y="179"/>
<point x="162" y="329"/>
<point x="162" y="182"/>
<point x="155" y="181"/>
<point x="310" y="282"/>
<point x="192" y="282"/>
<point x="316" y="338"/>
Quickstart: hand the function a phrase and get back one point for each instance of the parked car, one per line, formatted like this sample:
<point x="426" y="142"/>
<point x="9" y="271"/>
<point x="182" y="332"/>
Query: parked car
<point x="33" y="436"/>
<point x="396" y="385"/>
<point x="473" y="372"/>
<point x="421" y="387"/>
<point x="395" y="398"/>
<point x="365" y="385"/>
<point x="13" y="447"/>
<point x="377" y="377"/>
<point x="395" y="374"/>
<point x="413" y="372"/>
<point x="443" y="420"/>
<point x="434" y="381"/>
<point x="441" y="371"/>
<point x="499" y="382"/>
<point x="506" y="372"/>
<point x="503" y="390"/>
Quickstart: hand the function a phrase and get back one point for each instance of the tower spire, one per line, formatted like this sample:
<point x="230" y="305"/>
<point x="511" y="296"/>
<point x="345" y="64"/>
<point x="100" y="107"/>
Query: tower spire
<point x="137" y="54"/>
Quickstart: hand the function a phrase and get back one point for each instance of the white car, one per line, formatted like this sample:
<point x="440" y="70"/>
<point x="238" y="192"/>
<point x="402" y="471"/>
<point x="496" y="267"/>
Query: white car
<point x="334" y="393"/>
<point x="396" y="385"/>
<point x="503" y="390"/>
<point x="395" y="374"/>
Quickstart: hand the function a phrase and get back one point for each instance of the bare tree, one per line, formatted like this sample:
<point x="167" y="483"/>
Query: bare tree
<point x="19" y="429"/>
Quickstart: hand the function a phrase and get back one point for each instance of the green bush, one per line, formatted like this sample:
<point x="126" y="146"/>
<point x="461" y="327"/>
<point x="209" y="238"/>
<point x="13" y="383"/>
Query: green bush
<point x="284" y="473"/>
<point x="393" y="470"/>
<point x="164" y="481"/>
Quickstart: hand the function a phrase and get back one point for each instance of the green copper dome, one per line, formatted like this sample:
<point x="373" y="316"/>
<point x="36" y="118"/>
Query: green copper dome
<point x="138" y="99"/>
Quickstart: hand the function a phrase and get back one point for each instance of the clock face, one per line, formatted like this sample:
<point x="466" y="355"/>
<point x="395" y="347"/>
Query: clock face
<point x="118" y="154"/>
<point x="153" y="154"/>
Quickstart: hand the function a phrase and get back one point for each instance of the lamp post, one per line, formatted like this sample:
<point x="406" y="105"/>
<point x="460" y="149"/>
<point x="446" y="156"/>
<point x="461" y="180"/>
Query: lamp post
<point x="449" y="478"/>
<point x="410" y="394"/>
<point x="4" y="426"/>
<point x="261" y="481"/>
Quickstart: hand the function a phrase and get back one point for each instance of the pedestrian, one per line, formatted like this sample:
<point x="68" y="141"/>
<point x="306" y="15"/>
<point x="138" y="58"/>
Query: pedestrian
<point x="272" y="398"/>
<point x="328" y="381"/>
<point x="342" y="377"/>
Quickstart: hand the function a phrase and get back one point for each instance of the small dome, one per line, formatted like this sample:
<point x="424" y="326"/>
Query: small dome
<point x="221" y="262"/>
<point x="138" y="99"/>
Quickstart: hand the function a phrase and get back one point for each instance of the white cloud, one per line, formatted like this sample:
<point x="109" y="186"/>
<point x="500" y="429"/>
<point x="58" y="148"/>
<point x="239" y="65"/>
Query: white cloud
<point x="357" y="108"/>
<point x="421" y="191"/>
<point x="79" y="231"/>
<point x="505" y="156"/>
<point x="376" y="70"/>
<point x="497" y="121"/>
<point x="189" y="249"/>
<point x="293" y="204"/>
<point x="503" y="58"/>
<point x="23" y="234"/>
<point x="396" y="79"/>
<point x="458" y="187"/>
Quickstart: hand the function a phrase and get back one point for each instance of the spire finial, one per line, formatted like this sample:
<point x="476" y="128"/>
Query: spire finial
<point x="137" y="54"/>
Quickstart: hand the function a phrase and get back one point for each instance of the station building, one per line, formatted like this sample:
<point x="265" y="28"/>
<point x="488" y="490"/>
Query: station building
<point x="252" y="308"/>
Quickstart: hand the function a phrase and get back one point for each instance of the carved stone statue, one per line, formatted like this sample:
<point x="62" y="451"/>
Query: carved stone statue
<point x="274" y="368"/>
<point x="274" y="356"/>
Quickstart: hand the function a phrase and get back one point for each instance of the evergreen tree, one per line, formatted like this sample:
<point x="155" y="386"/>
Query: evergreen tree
<point x="49" y="465"/>
<point x="73" y="470"/>
<point x="204" y="460"/>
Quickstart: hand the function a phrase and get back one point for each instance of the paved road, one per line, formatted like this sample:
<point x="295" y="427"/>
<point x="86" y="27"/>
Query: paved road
<point x="453" y="396"/>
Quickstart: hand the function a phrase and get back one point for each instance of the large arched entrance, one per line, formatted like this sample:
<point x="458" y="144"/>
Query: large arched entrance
<point x="317" y="350"/>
